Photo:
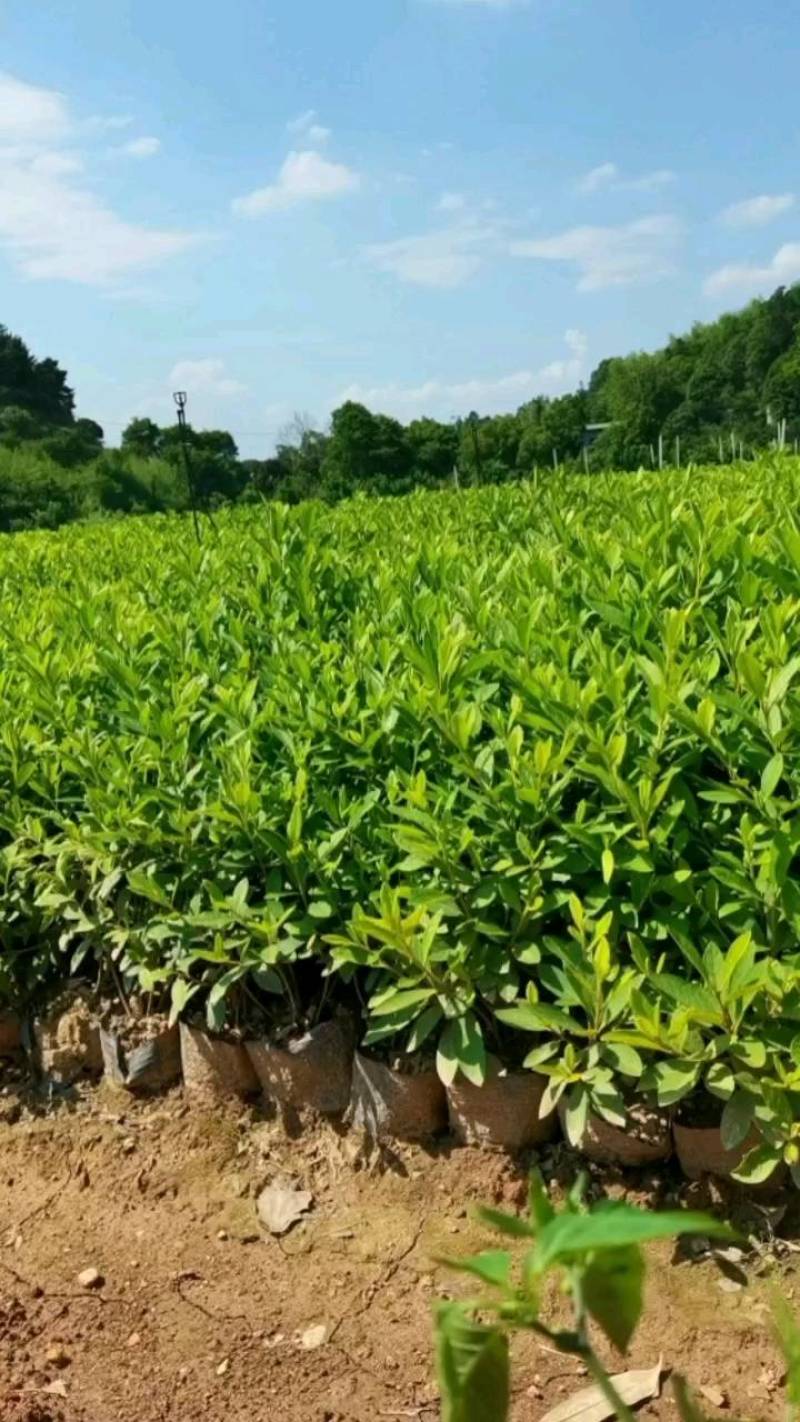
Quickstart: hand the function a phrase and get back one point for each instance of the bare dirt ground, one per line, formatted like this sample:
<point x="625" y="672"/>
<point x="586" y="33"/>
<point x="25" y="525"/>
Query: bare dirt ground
<point x="203" y="1316"/>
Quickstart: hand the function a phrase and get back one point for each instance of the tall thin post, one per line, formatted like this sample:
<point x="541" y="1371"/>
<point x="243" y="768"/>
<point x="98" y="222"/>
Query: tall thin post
<point x="476" y="448"/>
<point x="585" y="459"/>
<point x="677" y="451"/>
<point x="661" y="451"/>
<point x="180" y="397"/>
<point x="555" y="460"/>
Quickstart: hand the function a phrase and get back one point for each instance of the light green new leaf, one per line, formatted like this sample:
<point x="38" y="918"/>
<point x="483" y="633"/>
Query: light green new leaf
<point x="473" y="1368"/>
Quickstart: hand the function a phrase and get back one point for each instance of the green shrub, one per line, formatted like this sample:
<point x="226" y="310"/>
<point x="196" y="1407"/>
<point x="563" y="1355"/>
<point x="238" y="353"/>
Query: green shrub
<point x="521" y="750"/>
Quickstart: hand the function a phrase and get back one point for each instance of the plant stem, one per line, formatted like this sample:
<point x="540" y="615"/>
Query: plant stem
<point x="604" y="1382"/>
<point x="586" y="1352"/>
<point x="120" y="989"/>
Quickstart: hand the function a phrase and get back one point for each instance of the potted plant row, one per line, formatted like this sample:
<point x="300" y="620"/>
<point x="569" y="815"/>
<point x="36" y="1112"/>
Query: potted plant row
<point x="634" y="1059"/>
<point x="427" y="1051"/>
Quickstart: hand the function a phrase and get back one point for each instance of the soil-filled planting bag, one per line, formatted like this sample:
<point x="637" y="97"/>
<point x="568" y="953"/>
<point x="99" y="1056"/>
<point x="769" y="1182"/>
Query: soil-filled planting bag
<point x="151" y="1065"/>
<point x="10" y="1034"/>
<point x="68" y="1040"/>
<point x="387" y="1103"/>
<point x="700" y="1150"/>
<point x="312" y="1071"/>
<point x="215" y="1068"/>
<point x="645" y="1139"/>
<point x="503" y="1112"/>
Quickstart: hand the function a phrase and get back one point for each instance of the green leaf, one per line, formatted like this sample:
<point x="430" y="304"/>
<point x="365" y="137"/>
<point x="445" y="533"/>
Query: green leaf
<point x="147" y="887"/>
<point x="536" y="1017"/>
<point x="751" y="673"/>
<point x="461" y="1048"/>
<point x="472" y="1366"/>
<point x="752" y="1053"/>
<point x="737" y="1118"/>
<point x="607" y="865"/>
<point x="320" y="908"/>
<point x="720" y="1080"/>
<point x="545" y="1053"/>
<point x="541" y="1210"/>
<point x="674" y="1079"/>
<point x="622" y="1058"/>
<point x="702" y="1002"/>
<point x="424" y="1025"/>
<point x="269" y="981"/>
<point x="576" y="1114"/>
<point x="788" y="1337"/>
<point x="513" y="1225"/>
<point x="181" y="994"/>
<point x="781" y="680"/>
<point x="757" y="1165"/>
<point x="616" y="1225"/>
<point x="492" y="1266"/>
<point x="399" y="1001"/>
<point x="771" y="774"/>
<point x="613" y="1292"/>
<point x="609" y="1103"/>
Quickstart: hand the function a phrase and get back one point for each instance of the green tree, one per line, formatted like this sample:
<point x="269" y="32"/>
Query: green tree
<point x="782" y="387"/>
<point x="434" y="451"/>
<point x="142" y="436"/>
<point x="39" y="386"/>
<point x="366" y="451"/>
<point x="75" y="444"/>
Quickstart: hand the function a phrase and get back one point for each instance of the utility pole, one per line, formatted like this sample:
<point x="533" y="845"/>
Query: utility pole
<point x="180" y="397"/>
<point x="476" y="447"/>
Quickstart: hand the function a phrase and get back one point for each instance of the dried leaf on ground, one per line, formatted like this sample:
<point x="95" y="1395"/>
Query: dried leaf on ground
<point x="55" y="1389"/>
<point x="591" y="1405"/>
<point x="714" y="1395"/>
<point x="279" y="1207"/>
<point x="314" y="1337"/>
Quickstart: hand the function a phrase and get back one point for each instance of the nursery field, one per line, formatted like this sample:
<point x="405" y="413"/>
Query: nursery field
<point x="504" y="778"/>
<point x="202" y="1316"/>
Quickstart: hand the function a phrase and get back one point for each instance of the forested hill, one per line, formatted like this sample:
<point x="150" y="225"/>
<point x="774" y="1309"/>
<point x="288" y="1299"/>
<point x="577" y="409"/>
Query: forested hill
<point x="727" y="384"/>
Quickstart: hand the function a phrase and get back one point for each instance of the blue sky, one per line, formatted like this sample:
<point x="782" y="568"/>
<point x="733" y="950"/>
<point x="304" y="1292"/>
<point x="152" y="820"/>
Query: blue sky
<point x="430" y="205"/>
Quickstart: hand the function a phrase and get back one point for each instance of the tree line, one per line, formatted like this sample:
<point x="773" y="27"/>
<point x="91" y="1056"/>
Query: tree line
<point x="726" y="388"/>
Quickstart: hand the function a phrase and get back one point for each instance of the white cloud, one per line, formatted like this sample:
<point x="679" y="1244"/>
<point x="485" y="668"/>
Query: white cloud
<point x="52" y="223"/>
<point x="54" y="228"/>
<point x="451" y="202"/>
<point x="204" y="378"/>
<point x="608" y="176"/>
<point x="490" y="394"/>
<point x="140" y="148"/>
<point x="757" y="211"/>
<point x="444" y="258"/>
<point x="750" y="280"/>
<point x="101" y="123"/>
<point x="567" y="372"/>
<point x="306" y="127"/>
<point x="610" y="256"/>
<point x="29" y="114"/>
<point x="443" y="400"/>
<point x="649" y="182"/>
<point x="55" y="164"/>
<point x="599" y="177"/>
<point x="304" y="177"/>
